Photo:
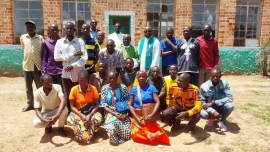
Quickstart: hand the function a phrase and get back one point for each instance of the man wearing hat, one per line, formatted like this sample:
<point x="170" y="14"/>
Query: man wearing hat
<point x="31" y="46"/>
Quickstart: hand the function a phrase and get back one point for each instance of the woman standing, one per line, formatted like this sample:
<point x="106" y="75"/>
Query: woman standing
<point x="84" y="104"/>
<point x="145" y="131"/>
<point x="117" y="123"/>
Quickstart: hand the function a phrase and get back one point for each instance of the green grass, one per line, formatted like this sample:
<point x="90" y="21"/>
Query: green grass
<point x="226" y="149"/>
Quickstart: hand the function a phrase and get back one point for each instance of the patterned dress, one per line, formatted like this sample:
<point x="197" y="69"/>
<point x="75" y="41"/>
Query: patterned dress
<point x="119" y="130"/>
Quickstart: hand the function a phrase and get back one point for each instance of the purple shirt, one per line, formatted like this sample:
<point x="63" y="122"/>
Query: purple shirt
<point x="48" y="64"/>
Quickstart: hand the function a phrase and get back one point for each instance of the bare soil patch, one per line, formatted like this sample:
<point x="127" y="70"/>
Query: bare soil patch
<point x="248" y="125"/>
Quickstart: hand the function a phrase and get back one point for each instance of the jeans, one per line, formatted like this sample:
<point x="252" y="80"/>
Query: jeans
<point x="224" y="111"/>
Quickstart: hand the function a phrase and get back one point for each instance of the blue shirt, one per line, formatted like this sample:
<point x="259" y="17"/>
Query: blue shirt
<point x="146" y="94"/>
<point x="220" y="94"/>
<point x="172" y="58"/>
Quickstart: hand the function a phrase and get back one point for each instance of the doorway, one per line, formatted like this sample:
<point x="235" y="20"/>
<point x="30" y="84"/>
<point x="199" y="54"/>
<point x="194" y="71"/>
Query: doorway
<point x="123" y="20"/>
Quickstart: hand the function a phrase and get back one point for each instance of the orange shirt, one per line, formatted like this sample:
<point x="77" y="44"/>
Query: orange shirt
<point x="187" y="100"/>
<point x="82" y="98"/>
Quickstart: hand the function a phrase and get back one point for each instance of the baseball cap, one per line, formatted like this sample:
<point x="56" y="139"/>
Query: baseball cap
<point x="29" y="21"/>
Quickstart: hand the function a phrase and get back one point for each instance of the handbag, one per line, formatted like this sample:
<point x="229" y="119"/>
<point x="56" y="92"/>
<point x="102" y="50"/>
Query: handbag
<point x="148" y="108"/>
<point x="121" y="106"/>
<point x="87" y="108"/>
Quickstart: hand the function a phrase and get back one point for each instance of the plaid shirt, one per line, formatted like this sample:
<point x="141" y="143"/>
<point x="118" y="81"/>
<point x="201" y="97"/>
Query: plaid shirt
<point x="31" y="47"/>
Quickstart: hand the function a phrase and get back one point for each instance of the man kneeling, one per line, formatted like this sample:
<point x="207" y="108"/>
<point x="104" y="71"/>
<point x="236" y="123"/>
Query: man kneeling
<point x="186" y="104"/>
<point x="216" y="99"/>
<point x="51" y="100"/>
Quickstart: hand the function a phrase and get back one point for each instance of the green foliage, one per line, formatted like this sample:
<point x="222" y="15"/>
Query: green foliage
<point x="262" y="56"/>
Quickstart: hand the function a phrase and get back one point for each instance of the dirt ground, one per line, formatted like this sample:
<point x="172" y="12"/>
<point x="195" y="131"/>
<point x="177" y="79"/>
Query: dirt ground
<point x="248" y="125"/>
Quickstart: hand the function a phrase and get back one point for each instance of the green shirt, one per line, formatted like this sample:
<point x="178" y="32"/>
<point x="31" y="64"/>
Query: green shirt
<point x="129" y="52"/>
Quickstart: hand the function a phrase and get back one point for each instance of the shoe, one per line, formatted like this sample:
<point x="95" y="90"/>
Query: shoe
<point x="210" y="123"/>
<point x="62" y="132"/>
<point x="222" y="127"/>
<point x="27" y="108"/>
<point x="48" y="130"/>
<point x="175" y="126"/>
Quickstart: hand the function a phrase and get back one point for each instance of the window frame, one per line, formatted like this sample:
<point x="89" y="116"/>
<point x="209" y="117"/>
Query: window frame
<point x="40" y="28"/>
<point x="215" y="19"/>
<point x="159" y="30"/>
<point x="246" y="30"/>
<point x="85" y="21"/>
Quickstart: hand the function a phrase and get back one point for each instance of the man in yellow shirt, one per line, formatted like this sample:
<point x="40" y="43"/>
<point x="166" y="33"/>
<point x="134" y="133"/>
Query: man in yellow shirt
<point x="187" y="104"/>
<point x="170" y="81"/>
<point x="31" y="46"/>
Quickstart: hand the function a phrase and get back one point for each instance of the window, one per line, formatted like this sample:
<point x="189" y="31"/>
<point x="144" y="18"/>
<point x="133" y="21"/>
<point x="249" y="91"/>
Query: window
<point x="27" y="10"/>
<point x="204" y="12"/>
<point x="77" y="12"/>
<point x="160" y="16"/>
<point x="247" y="19"/>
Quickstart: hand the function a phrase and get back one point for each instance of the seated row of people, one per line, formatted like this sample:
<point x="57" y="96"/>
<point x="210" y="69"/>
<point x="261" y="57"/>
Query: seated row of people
<point x="185" y="102"/>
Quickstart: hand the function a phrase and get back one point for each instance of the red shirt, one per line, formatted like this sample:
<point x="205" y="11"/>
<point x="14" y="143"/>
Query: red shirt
<point x="209" y="57"/>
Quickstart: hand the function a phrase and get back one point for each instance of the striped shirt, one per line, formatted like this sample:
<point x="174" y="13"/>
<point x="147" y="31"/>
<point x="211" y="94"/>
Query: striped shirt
<point x="92" y="48"/>
<point x="31" y="47"/>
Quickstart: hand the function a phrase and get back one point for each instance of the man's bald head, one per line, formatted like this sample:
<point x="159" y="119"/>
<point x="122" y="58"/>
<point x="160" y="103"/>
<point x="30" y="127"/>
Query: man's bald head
<point x="185" y="76"/>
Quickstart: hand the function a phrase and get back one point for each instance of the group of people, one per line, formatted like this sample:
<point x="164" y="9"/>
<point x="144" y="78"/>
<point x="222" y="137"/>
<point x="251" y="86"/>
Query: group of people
<point x="108" y="83"/>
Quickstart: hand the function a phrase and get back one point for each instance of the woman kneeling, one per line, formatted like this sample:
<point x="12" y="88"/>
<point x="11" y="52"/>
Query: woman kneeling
<point x="117" y="122"/>
<point x="84" y="104"/>
<point x="145" y="131"/>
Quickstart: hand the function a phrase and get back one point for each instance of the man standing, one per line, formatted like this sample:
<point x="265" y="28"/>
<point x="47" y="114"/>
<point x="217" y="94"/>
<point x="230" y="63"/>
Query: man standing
<point x="93" y="29"/>
<point x="216" y="99"/>
<point x="72" y="52"/>
<point x="149" y="50"/>
<point x="113" y="57"/>
<point x="100" y="40"/>
<point x="92" y="49"/>
<point x="51" y="100"/>
<point x="31" y="46"/>
<point x="187" y="104"/>
<point x="168" y="50"/>
<point x="209" y="54"/>
<point x="188" y="52"/>
<point x="117" y="36"/>
<point x="129" y="51"/>
<point x="48" y="64"/>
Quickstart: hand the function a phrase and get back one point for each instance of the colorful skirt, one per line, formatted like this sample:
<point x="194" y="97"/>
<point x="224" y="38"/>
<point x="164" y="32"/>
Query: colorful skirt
<point x="150" y="133"/>
<point x="84" y="132"/>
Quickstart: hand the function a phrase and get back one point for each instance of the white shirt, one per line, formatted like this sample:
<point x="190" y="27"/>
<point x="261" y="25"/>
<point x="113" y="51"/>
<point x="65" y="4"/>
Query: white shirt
<point x="64" y="51"/>
<point x="118" y="38"/>
<point x="50" y="102"/>
<point x="156" y="53"/>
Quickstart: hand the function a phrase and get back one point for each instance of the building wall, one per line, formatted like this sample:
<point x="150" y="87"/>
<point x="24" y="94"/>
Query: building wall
<point x="6" y="24"/>
<point x="183" y="16"/>
<point x="226" y="17"/>
<point x="265" y="21"/>
<point x="52" y="14"/>
<point x="98" y="8"/>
